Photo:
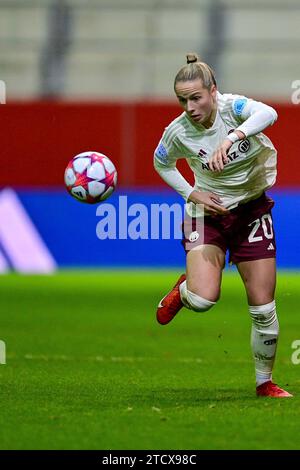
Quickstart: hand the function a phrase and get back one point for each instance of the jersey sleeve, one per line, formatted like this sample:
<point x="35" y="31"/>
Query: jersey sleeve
<point x="253" y="116"/>
<point x="165" y="157"/>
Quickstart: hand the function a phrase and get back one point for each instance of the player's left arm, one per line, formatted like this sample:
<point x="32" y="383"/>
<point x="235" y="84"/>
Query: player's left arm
<point x="255" y="117"/>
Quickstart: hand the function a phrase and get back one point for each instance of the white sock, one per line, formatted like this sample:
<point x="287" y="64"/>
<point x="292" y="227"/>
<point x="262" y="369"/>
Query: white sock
<point x="264" y="337"/>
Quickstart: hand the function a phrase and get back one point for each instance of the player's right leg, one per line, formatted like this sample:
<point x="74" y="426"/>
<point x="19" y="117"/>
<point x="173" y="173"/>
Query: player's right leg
<point x="200" y="290"/>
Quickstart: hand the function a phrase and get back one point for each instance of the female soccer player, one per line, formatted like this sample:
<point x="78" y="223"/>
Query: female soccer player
<point x="220" y="136"/>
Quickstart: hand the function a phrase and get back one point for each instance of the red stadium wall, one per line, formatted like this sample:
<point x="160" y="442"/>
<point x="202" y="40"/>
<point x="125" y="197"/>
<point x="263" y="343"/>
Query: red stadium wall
<point x="38" y="139"/>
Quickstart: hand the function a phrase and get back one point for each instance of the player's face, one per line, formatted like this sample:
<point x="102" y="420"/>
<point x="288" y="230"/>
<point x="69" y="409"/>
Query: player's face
<point x="198" y="102"/>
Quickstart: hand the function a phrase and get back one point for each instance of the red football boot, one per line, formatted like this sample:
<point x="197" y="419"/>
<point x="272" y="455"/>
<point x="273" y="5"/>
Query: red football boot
<point x="269" y="389"/>
<point x="170" y="304"/>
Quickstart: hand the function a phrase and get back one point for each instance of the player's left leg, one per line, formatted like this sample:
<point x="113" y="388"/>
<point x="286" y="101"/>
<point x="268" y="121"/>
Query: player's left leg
<point x="259" y="277"/>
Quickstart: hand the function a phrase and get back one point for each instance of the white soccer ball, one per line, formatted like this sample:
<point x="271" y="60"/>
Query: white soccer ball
<point x="90" y="177"/>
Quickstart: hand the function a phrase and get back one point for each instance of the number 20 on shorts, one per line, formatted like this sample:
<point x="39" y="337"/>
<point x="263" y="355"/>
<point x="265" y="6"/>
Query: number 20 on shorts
<point x="267" y="225"/>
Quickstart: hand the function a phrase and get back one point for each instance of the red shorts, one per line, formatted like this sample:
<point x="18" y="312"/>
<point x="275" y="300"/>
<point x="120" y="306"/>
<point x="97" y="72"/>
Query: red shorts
<point x="247" y="232"/>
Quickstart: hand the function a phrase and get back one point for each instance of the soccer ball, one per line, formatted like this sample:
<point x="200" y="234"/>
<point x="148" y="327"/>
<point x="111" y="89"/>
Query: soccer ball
<point x="90" y="177"/>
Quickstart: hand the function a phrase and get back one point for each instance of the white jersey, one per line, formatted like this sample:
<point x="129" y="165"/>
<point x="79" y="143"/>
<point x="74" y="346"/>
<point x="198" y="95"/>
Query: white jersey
<point x="252" y="162"/>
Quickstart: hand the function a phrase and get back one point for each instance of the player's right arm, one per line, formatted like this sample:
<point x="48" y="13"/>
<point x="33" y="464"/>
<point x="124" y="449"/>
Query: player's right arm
<point x="165" y="158"/>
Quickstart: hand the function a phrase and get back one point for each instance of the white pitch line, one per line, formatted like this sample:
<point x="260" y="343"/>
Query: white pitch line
<point x="115" y="359"/>
<point x="63" y="357"/>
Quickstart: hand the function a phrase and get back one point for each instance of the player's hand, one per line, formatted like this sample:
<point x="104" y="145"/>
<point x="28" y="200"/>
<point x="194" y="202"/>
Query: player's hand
<point x="211" y="202"/>
<point x="219" y="158"/>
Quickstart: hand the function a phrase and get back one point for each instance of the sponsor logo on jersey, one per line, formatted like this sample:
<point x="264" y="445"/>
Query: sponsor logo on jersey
<point x="243" y="148"/>
<point x="231" y="157"/>
<point x="205" y="166"/>
<point x="239" y="105"/>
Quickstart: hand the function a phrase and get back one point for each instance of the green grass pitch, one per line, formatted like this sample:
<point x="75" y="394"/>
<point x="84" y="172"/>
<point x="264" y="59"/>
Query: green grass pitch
<point x="88" y="367"/>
